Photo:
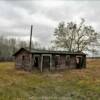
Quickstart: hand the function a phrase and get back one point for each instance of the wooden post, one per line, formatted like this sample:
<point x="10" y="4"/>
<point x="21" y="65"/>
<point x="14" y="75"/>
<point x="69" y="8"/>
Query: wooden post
<point x="41" y="66"/>
<point x="30" y="61"/>
<point x="30" y="38"/>
<point x="50" y="61"/>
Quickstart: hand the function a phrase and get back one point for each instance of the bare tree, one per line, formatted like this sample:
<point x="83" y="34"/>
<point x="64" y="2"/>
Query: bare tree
<point x="74" y="37"/>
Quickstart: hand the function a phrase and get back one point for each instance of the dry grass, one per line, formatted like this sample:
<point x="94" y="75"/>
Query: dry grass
<point x="81" y="84"/>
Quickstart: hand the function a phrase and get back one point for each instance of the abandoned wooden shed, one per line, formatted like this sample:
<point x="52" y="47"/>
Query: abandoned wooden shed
<point x="48" y="60"/>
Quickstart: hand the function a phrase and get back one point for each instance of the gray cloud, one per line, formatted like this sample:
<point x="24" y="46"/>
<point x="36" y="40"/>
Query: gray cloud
<point x="17" y="16"/>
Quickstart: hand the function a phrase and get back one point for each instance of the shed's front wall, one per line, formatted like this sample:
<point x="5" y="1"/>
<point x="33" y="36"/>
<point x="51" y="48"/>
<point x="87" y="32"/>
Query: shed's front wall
<point x="68" y="61"/>
<point x="26" y="60"/>
<point x="59" y="62"/>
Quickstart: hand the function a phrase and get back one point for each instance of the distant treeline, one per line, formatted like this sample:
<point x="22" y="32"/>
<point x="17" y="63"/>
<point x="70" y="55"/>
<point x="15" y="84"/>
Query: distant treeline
<point x="6" y="58"/>
<point x="8" y="46"/>
<point x="93" y="57"/>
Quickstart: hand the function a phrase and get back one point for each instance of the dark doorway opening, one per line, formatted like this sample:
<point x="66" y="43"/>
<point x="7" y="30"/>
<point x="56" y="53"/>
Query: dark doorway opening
<point x="68" y="61"/>
<point x="36" y="62"/>
<point x="57" y="60"/>
<point x="46" y="62"/>
<point x="78" y="62"/>
<point x="23" y="61"/>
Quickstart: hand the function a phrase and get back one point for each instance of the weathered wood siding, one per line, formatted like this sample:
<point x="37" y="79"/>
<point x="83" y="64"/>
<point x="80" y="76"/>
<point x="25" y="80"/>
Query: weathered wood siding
<point x="63" y="62"/>
<point x="72" y="62"/>
<point x="23" y="60"/>
<point x="67" y="61"/>
<point x="60" y="62"/>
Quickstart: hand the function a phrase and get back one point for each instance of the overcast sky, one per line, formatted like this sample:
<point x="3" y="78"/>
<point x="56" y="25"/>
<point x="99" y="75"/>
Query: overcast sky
<point x="16" y="16"/>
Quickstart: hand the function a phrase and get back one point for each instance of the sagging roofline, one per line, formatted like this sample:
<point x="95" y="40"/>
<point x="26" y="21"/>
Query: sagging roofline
<point x="37" y="51"/>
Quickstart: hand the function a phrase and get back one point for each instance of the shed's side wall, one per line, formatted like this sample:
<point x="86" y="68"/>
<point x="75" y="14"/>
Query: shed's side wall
<point x="25" y="63"/>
